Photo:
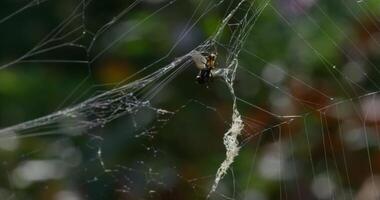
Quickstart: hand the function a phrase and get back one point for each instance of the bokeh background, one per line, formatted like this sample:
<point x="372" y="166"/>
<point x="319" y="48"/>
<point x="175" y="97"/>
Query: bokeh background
<point x="315" y="60"/>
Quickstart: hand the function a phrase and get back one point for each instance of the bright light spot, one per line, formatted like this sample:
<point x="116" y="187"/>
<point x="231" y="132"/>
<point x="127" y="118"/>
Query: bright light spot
<point x="355" y="136"/>
<point x="274" y="165"/>
<point x="355" y="139"/>
<point x="273" y="74"/>
<point x="371" y="108"/>
<point x="37" y="170"/>
<point x="281" y="103"/>
<point x="369" y="190"/>
<point x="354" y="72"/>
<point x="323" y="187"/>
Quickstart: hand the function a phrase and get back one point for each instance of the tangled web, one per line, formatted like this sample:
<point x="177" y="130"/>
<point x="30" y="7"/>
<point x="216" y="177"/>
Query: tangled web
<point x="312" y="133"/>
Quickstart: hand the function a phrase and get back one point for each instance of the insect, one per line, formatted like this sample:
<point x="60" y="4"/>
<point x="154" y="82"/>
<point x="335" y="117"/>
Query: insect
<point x="205" y="62"/>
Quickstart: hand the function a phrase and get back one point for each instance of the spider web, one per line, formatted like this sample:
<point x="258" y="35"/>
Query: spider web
<point x="312" y="135"/>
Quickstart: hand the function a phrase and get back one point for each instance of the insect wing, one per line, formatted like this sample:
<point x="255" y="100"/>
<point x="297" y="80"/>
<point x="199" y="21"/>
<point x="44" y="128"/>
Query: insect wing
<point x="199" y="60"/>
